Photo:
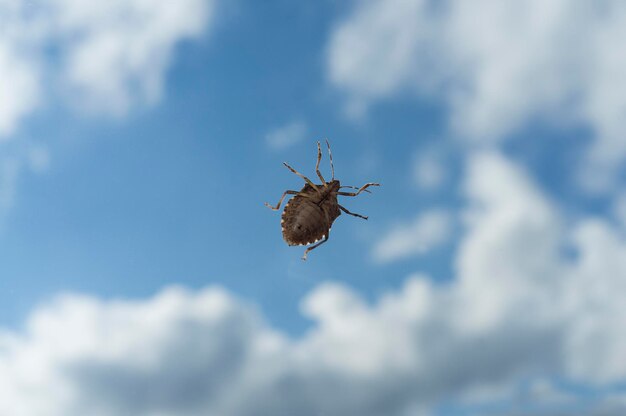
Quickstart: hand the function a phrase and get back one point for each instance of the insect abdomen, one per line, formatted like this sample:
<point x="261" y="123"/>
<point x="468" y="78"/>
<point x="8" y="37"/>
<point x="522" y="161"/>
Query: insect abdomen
<point x="303" y="222"/>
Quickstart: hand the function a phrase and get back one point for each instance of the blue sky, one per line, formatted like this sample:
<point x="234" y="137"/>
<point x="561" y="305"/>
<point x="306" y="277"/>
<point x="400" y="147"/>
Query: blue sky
<point x="141" y="273"/>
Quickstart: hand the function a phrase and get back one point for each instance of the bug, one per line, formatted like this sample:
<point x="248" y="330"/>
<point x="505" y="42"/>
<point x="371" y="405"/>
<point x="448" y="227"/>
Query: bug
<point x="308" y="217"/>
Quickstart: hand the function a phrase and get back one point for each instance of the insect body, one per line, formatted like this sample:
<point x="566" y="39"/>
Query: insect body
<point x="308" y="217"/>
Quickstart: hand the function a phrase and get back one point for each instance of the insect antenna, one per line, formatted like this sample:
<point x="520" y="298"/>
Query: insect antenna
<point x="354" y="187"/>
<point x="330" y="155"/>
<point x="361" y="189"/>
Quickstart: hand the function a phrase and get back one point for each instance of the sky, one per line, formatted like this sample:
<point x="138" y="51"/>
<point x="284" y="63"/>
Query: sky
<point x="141" y="273"/>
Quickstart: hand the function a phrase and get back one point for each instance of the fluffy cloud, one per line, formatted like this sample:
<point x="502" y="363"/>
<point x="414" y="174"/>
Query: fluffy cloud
<point x="496" y="65"/>
<point x="171" y="355"/>
<point x="115" y="53"/>
<point x="426" y="232"/>
<point x="518" y="311"/>
<point x="105" y="56"/>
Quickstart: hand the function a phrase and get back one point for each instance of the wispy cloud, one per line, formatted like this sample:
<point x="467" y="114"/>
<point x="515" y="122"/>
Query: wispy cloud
<point x="287" y="135"/>
<point x="517" y="312"/>
<point x="17" y="158"/>
<point x="426" y="232"/>
<point x="20" y="72"/>
<point x="498" y="66"/>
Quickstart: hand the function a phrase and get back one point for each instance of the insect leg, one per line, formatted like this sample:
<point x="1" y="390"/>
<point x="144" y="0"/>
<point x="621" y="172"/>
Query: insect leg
<point x="330" y="155"/>
<point x="361" y="189"/>
<point x="314" y="246"/>
<point x="280" y="201"/>
<point x="352" y="213"/>
<point x="307" y="180"/>
<point x="317" y="165"/>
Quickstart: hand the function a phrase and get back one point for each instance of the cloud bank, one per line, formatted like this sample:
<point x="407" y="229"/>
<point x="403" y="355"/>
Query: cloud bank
<point x="520" y="312"/>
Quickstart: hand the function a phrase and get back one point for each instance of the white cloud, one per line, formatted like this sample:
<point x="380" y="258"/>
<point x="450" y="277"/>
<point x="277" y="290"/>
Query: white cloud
<point x="426" y="232"/>
<point x="517" y="312"/>
<point x="287" y="135"/>
<point x="371" y="54"/>
<point x="106" y="57"/>
<point x="115" y="53"/>
<point x="173" y="354"/>
<point x="496" y="65"/>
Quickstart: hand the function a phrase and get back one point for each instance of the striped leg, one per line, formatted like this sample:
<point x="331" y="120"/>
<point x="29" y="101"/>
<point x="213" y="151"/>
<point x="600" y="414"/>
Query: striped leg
<point x="280" y="201"/>
<point x="317" y="165"/>
<point x="307" y="180"/>
<point x="352" y="213"/>
<point x="314" y="246"/>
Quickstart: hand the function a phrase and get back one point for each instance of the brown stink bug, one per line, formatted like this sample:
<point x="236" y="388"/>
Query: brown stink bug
<point x="308" y="216"/>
